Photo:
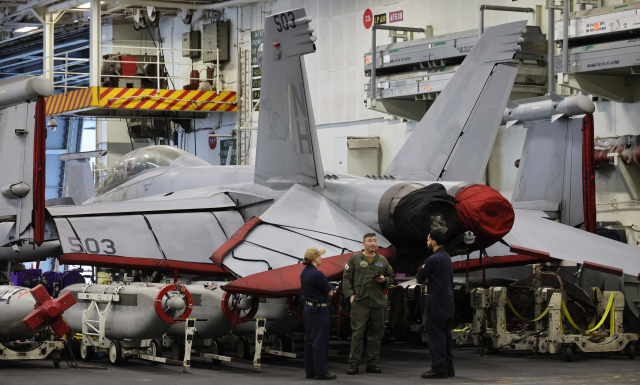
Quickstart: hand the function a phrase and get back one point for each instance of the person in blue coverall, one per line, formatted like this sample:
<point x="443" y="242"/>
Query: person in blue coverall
<point x="437" y="270"/>
<point x="315" y="290"/>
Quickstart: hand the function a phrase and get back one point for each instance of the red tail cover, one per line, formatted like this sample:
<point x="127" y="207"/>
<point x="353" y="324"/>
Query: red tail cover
<point x="484" y="211"/>
<point x="285" y="281"/>
<point x="39" y="151"/>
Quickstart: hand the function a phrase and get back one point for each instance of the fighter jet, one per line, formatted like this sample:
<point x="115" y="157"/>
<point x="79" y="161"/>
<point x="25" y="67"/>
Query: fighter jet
<point x="163" y="209"/>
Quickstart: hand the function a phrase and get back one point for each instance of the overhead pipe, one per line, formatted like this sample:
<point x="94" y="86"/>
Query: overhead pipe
<point x="180" y="5"/>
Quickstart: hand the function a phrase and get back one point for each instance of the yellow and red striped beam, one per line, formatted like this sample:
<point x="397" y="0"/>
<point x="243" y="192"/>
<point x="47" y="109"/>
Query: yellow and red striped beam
<point x="141" y="99"/>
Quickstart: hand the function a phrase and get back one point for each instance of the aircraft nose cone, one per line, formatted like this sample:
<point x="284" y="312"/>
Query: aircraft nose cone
<point x="485" y="212"/>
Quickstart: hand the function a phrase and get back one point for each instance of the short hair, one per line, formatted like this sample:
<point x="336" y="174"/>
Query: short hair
<point x="368" y="235"/>
<point x="437" y="235"/>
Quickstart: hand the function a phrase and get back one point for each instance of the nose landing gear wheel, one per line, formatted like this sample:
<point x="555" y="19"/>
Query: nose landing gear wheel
<point x="115" y="353"/>
<point x="242" y="348"/>
<point x="632" y="351"/>
<point x="86" y="353"/>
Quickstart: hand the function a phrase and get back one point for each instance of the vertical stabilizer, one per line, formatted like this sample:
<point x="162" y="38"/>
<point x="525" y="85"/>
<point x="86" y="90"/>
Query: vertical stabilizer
<point x="454" y="139"/>
<point x="287" y="149"/>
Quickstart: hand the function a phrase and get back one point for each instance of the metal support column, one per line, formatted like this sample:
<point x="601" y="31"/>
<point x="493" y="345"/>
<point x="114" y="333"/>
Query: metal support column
<point x="48" y="46"/>
<point x="551" y="80"/>
<point x="374" y="83"/>
<point x="95" y="42"/>
<point x="565" y="37"/>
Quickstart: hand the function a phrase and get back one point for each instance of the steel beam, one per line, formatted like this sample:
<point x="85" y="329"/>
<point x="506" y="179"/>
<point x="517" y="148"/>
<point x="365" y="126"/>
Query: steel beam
<point x="95" y="41"/>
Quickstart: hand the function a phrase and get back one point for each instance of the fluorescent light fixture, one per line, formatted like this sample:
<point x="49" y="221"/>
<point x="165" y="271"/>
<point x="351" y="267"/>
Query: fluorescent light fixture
<point x="26" y="29"/>
<point x="87" y="5"/>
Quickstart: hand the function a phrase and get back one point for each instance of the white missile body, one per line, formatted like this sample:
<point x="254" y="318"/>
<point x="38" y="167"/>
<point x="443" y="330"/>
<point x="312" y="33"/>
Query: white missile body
<point x="133" y="315"/>
<point x="207" y="305"/>
<point x="25" y="312"/>
<point x="15" y="304"/>
<point x="547" y="109"/>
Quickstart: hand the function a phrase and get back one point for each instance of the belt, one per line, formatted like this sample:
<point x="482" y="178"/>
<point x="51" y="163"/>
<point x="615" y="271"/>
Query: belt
<point x="319" y="304"/>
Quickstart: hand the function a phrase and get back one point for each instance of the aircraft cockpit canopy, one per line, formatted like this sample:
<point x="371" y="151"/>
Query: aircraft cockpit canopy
<point x="138" y="161"/>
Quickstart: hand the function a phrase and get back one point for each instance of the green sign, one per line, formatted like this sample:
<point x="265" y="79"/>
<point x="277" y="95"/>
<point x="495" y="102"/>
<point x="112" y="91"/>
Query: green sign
<point x="225" y="146"/>
<point x="256" y="39"/>
<point x="440" y="43"/>
<point x="393" y="50"/>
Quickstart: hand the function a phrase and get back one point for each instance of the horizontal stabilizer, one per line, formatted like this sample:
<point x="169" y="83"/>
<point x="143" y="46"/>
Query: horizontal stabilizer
<point x="570" y="244"/>
<point x="285" y="281"/>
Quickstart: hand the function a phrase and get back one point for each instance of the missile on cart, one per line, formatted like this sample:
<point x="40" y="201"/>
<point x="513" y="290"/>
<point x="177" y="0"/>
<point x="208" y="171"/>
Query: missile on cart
<point x="549" y="109"/>
<point x="215" y="311"/>
<point x="25" y="312"/>
<point x="133" y="311"/>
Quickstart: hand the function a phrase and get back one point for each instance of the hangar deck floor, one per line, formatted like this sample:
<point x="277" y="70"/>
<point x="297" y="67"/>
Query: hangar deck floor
<point x="399" y="364"/>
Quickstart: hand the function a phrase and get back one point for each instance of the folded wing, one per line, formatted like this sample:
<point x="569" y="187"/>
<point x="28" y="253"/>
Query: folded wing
<point x="300" y="219"/>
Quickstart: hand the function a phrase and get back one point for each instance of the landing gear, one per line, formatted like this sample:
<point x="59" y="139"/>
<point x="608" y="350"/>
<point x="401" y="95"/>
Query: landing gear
<point x="632" y="351"/>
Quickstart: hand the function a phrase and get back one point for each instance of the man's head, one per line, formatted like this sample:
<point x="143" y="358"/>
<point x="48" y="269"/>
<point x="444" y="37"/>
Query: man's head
<point x="312" y="255"/>
<point x="435" y="240"/>
<point x="370" y="242"/>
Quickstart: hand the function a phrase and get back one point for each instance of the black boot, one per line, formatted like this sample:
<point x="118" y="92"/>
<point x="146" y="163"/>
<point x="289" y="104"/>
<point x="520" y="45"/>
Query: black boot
<point x="451" y="372"/>
<point x="354" y="369"/>
<point x="373" y="369"/>
<point x="327" y="376"/>
<point x="432" y="374"/>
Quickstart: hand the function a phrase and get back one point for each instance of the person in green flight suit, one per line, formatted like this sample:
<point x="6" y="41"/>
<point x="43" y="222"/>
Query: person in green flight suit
<point x="366" y="276"/>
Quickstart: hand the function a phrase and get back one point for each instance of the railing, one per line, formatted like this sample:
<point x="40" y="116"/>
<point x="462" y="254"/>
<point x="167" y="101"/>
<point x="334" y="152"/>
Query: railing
<point x="70" y="79"/>
<point x="158" y="62"/>
<point x="67" y="81"/>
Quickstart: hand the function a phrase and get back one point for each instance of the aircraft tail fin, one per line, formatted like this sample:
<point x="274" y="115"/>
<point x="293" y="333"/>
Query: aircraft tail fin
<point x="454" y="139"/>
<point x="287" y="149"/>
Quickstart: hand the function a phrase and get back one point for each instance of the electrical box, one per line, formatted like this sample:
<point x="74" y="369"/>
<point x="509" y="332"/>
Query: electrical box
<point x="191" y="40"/>
<point x="216" y="37"/>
